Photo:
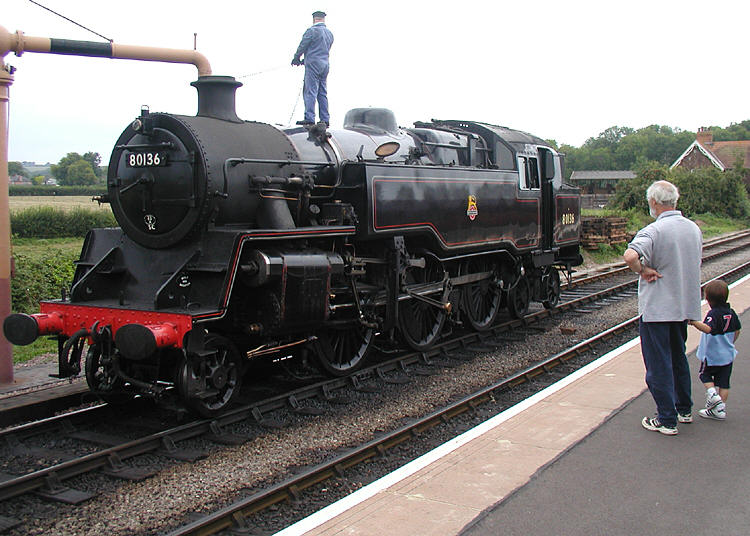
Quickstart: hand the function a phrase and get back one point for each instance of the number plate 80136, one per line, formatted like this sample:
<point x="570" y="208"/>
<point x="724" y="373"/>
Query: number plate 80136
<point x="146" y="159"/>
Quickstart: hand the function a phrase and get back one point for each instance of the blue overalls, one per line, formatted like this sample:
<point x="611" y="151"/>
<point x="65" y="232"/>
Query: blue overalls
<point x="315" y="45"/>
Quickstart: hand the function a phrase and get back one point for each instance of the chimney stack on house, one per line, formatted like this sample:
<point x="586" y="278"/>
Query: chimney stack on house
<point x="704" y="136"/>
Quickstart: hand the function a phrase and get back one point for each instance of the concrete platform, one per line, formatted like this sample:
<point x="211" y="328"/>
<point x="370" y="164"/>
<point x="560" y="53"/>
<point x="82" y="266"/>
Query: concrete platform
<point x="573" y="459"/>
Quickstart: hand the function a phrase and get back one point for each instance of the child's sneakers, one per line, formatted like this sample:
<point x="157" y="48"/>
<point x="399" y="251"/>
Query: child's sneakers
<point x="713" y="413"/>
<point x="712" y="399"/>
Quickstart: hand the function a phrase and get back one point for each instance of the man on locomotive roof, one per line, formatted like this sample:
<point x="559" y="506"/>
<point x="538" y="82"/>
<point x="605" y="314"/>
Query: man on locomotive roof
<point x="315" y="46"/>
<point x="667" y="255"/>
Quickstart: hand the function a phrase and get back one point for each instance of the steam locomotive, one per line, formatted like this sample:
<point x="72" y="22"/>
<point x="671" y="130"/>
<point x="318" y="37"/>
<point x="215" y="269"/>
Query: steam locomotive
<point x="240" y="241"/>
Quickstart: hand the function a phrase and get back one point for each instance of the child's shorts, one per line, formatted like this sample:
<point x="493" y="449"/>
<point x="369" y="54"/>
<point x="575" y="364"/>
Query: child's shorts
<point x="718" y="375"/>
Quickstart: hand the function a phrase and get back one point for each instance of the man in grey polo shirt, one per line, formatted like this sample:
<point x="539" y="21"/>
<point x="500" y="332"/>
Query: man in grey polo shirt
<point x="667" y="255"/>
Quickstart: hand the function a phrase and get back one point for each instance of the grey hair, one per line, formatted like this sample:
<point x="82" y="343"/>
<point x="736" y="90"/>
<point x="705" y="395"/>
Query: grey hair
<point x="663" y="193"/>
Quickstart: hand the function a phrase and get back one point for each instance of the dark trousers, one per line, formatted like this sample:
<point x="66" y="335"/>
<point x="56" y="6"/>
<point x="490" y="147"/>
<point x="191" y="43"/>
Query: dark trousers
<point x="667" y="369"/>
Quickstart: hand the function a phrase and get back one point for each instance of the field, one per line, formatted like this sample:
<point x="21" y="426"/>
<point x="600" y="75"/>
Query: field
<point x="20" y="202"/>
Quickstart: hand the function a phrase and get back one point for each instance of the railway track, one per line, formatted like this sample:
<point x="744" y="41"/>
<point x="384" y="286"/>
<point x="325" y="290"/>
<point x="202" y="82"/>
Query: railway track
<point x="235" y="517"/>
<point x="112" y="454"/>
<point x="112" y="459"/>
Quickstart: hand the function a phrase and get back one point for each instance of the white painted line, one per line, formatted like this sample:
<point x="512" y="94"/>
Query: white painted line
<point x="342" y="505"/>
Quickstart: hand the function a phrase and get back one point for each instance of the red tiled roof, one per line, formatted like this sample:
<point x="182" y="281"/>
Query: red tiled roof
<point x="728" y="151"/>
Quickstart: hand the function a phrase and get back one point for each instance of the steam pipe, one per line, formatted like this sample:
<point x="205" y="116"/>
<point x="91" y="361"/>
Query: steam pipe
<point x="20" y="43"/>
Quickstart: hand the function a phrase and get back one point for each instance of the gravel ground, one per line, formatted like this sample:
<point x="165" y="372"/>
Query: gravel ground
<point x="167" y="499"/>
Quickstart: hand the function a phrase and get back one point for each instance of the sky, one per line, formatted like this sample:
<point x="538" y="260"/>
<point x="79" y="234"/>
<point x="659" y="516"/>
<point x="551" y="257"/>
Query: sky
<point x="562" y="70"/>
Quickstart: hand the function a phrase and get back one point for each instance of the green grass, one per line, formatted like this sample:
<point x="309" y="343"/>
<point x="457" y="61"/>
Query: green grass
<point x="36" y="247"/>
<point x="43" y="267"/>
<point x="605" y="254"/>
<point x="42" y="345"/>
<point x="713" y="225"/>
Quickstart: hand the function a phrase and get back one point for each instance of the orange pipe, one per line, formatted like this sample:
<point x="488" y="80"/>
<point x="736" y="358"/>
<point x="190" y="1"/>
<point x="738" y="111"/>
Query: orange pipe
<point x="20" y="43"/>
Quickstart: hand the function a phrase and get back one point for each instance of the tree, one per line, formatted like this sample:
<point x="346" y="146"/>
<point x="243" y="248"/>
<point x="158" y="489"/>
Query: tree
<point x="74" y="169"/>
<point x="80" y="173"/>
<point x="95" y="160"/>
<point x="704" y="190"/>
<point x="60" y="170"/>
<point x="16" y="168"/>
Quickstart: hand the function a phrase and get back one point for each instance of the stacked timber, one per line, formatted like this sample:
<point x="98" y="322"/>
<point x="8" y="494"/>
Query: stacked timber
<point x="610" y="230"/>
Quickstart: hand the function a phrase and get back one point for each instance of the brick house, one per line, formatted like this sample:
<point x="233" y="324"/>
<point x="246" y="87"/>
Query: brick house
<point x="705" y="152"/>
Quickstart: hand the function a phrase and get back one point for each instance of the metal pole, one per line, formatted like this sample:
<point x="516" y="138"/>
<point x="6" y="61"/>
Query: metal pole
<point x="6" y="350"/>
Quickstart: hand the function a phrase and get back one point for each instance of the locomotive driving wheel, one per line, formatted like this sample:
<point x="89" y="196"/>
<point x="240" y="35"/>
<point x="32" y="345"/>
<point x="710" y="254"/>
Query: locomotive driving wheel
<point x="481" y="299"/>
<point x="519" y="298"/>
<point x="422" y="322"/>
<point x="211" y="383"/>
<point x="551" y="287"/>
<point x="342" y="348"/>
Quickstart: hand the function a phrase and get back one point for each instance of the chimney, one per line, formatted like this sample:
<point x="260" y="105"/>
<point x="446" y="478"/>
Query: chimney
<point x="216" y="97"/>
<point x="704" y="136"/>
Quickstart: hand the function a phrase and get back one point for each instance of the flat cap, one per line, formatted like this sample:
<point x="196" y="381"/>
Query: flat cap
<point x="319" y="14"/>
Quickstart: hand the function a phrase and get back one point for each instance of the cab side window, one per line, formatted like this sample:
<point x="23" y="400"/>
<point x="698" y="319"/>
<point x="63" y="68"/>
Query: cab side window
<point x="532" y="173"/>
<point x="528" y="173"/>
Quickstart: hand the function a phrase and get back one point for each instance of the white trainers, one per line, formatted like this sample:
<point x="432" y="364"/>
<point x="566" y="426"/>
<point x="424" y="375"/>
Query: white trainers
<point x="712" y="400"/>
<point x="712" y="414"/>
<point x="653" y="424"/>
<point x="685" y="417"/>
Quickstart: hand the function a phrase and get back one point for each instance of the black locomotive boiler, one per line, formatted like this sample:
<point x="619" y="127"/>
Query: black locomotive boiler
<point x="240" y="241"/>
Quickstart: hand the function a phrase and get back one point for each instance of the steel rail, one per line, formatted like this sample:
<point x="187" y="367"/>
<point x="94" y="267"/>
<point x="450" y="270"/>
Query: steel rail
<point x="233" y="516"/>
<point x="323" y="389"/>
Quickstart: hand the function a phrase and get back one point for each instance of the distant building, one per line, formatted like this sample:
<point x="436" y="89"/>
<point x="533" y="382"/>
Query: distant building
<point x="19" y="179"/>
<point x="705" y="152"/>
<point x="599" y="182"/>
<point x="598" y="187"/>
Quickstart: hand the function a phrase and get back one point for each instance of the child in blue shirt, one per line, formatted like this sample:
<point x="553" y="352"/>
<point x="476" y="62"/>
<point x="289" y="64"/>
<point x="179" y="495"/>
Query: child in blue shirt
<point x="720" y="331"/>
